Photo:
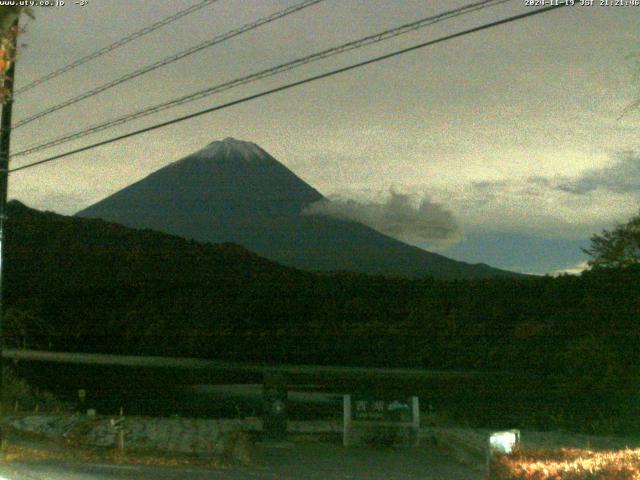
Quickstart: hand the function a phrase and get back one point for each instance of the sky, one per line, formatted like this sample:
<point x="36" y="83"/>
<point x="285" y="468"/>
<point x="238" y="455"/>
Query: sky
<point x="511" y="136"/>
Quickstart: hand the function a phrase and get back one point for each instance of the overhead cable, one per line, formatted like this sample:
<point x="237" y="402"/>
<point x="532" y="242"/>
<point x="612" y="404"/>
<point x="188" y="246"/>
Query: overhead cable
<point x="173" y="58"/>
<point x="288" y="86"/>
<point x="356" y="44"/>
<point x="115" y="45"/>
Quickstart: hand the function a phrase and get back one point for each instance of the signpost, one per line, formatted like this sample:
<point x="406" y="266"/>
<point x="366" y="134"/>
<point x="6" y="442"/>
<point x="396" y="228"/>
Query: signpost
<point x="118" y="427"/>
<point x="398" y="417"/>
<point x="274" y="410"/>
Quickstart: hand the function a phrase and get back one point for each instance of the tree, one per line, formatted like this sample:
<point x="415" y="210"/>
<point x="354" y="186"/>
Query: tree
<point x="7" y="17"/>
<point x="617" y="248"/>
<point x="25" y="329"/>
<point x="8" y="35"/>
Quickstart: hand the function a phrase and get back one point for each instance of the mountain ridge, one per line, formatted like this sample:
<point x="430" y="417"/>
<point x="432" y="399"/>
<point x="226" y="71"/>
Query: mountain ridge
<point x="235" y="191"/>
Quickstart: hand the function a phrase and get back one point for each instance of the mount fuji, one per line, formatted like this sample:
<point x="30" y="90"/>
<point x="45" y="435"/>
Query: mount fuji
<point x="234" y="191"/>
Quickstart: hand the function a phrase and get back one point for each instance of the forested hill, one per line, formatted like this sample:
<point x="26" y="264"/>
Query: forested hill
<point x="59" y="253"/>
<point x="82" y="284"/>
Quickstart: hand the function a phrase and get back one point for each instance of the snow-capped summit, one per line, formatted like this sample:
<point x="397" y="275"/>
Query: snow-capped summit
<point x="229" y="179"/>
<point x="233" y="148"/>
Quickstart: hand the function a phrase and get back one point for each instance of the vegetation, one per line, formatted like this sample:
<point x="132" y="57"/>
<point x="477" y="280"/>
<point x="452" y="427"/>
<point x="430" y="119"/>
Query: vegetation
<point x="566" y="464"/>
<point x="617" y="248"/>
<point x="388" y="436"/>
<point x="87" y="285"/>
<point x="47" y="450"/>
<point x="8" y="15"/>
<point x="19" y="396"/>
<point x="8" y="37"/>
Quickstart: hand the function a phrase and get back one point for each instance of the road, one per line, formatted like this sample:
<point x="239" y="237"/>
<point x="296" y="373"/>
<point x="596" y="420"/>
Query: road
<point x="309" y="461"/>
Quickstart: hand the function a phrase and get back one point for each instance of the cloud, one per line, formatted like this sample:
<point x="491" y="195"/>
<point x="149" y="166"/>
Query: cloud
<point x="574" y="270"/>
<point x="407" y="217"/>
<point x="568" y="206"/>
<point x="621" y="177"/>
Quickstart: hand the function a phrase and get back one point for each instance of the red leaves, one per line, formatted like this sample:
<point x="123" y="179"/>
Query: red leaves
<point x="567" y="464"/>
<point x="7" y="57"/>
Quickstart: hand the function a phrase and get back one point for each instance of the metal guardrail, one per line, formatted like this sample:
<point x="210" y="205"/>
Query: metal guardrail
<point x="213" y="365"/>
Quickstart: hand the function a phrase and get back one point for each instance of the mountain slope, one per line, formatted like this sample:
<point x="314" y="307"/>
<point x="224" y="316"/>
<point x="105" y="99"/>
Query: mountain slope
<point x="100" y="286"/>
<point x="233" y="191"/>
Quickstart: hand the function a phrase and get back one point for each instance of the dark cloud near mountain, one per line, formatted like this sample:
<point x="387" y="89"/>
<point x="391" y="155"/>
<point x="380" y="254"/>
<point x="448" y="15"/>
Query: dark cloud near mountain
<point x="488" y="186"/>
<point x="622" y="177"/>
<point x="402" y="216"/>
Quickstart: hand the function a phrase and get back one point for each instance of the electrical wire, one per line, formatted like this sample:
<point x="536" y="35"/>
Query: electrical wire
<point x="115" y="45"/>
<point x="173" y="58"/>
<point x="368" y="40"/>
<point x="288" y="86"/>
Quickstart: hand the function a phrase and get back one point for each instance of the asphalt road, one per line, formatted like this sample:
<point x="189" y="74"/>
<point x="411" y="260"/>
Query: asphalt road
<point x="308" y="461"/>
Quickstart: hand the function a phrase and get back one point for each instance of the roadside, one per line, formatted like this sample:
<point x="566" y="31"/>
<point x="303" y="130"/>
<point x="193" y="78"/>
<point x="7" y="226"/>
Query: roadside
<point x="79" y="447"/>
<point x="314" y="452"/>
<point x="308" y="460"/>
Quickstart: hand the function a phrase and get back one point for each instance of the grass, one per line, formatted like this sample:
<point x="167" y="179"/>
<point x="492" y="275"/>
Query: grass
<point x="567" y="464"/>
<point x="238" y="448"/>
<point x="378" y="437"/>
<point x="29" y="446"/>
<point x="13" y="453"/>
<point x="235" y="447"/>
<point x="18" y="395"/>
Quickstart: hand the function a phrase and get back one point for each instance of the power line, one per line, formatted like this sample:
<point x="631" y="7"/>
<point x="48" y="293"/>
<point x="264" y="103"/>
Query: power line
<point x="371" y="39"/>
<point x="173" y="58"/>
<point x="115" y="45"/>
<point x="295" y="84"/>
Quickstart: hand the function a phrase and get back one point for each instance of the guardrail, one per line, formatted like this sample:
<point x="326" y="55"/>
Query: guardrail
<point x="204" y="364"/>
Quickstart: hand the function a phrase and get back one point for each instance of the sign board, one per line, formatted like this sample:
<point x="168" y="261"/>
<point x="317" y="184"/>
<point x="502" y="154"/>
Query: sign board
<point x="364" y="409"/>
<point x="398" y="417"/>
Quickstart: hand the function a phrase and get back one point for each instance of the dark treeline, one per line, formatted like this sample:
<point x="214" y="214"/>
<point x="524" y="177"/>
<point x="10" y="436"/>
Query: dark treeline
<point x="86" y="285"/>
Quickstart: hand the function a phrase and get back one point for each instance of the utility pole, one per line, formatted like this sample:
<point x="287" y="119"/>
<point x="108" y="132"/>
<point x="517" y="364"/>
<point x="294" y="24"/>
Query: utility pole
<point x="5" y="138"/>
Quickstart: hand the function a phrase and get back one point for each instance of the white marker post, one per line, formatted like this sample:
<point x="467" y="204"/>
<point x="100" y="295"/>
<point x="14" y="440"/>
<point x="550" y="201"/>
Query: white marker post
<point x="415" y="409"/>
<point x="501" y="443"/>
<point x="346" y="432"/>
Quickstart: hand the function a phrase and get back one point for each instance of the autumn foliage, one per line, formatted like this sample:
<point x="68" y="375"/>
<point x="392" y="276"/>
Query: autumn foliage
<point x="9" y="32"/>
<point x="7" y="57"/>
<point x="566" y="464"/>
